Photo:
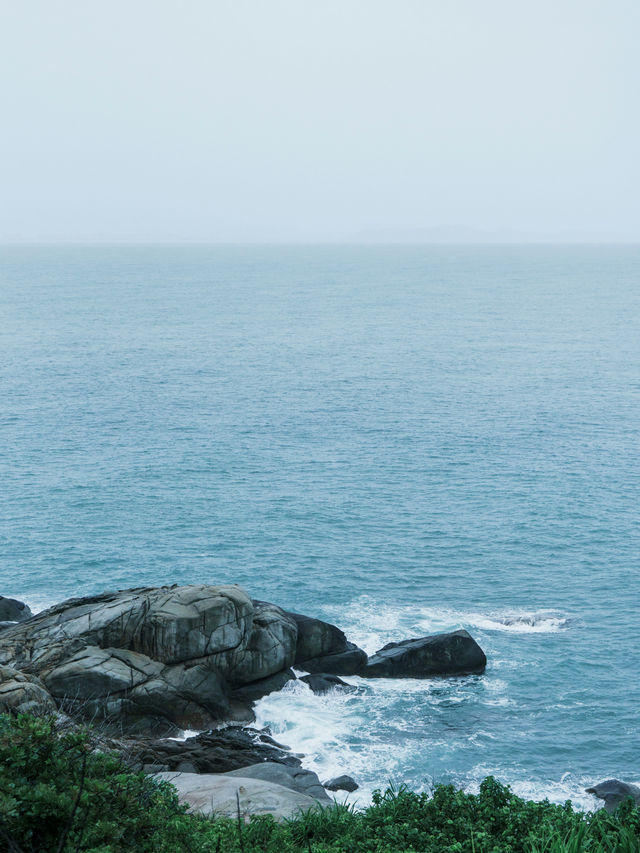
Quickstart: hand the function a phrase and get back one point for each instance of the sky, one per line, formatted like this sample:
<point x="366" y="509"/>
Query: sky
<point x="340" y="120"/>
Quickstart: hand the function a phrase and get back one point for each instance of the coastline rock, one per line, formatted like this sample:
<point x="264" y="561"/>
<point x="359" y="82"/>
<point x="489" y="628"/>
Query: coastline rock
<point x="217" y="751"/>
<point x="322" y="682"/>
<point x="342" y="783"/>
<point x="22" y="693"/>
<point x="614" y="792"/>
<point x="322" y="647"/>
<point x="12" y="610"/>
<point x="456" y="653"/>
<point x="212" y="794"/>
<point x="149" y="657"/>
<point x="257" y="689"/>
<point x="295" y="778"/>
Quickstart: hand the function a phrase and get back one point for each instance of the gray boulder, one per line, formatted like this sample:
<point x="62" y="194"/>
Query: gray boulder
<point x="21" y="693"/>
<point x="296" y="778"/>
<point x="152" y="657"/>
<point x="456" y="653"/>
<point x="614" y="792"/>
<point x="12" y="610"/>
<point x="215" y="795"/>
<point x="342" y="783"/>
<point x="322" y="647"/>
<point x="322" y="683"/>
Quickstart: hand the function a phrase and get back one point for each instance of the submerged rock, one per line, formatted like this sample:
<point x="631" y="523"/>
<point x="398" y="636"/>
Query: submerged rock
<point x="322" y="682"/>
<point x="614" y="792"/>
<point x="212" y="794"/>
<point x="12" y="610"/>
<point x="456" y="653"/>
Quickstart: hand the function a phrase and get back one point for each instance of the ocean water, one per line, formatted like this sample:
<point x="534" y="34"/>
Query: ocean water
<point x="399" y="439"/>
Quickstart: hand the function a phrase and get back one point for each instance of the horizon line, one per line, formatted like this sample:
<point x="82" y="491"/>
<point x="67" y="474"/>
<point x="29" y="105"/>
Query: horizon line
<point x="291" y="243"/>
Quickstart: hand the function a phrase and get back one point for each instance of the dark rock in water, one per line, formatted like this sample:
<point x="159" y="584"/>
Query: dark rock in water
<point x="614" y="792"/>
<point x="295" y="778"/>
<point x="349" y="662"/>
<point x="12" y="610"/>
<point x="217" y="751"/>
<point x="322" y="682"/>
<point x="342" y="783"/>
<point x="322" y="647"/>
<point x="257" y="689"/>
<point x="441" y="654"/>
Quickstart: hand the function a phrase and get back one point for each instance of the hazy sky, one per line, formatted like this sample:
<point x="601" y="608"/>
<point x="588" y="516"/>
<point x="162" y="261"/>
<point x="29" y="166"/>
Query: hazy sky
<point x="294" y="120"/>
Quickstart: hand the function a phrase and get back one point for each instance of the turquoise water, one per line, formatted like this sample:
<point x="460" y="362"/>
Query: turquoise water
<point x="399" y="439"/>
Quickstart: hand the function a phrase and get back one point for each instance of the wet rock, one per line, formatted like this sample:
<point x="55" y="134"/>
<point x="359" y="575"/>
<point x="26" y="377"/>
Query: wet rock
<point x="217" y="751"/>
<point x="342" y="783"/>
<point x="456" y="653"/>
<point x="323" y="682"/>
<point x="12" y="610"/>
<point x="614" y="792"/>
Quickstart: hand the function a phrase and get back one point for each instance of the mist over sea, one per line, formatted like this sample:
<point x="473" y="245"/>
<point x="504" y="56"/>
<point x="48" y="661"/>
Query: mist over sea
<point x="401" y="440"/>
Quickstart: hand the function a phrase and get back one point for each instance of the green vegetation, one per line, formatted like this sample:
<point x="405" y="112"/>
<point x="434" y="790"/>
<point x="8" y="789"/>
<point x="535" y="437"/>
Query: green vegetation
<point x="57" y="795"/>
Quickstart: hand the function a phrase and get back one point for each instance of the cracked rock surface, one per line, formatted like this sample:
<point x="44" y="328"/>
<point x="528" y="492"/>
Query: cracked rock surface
<point x="152" y="659"/>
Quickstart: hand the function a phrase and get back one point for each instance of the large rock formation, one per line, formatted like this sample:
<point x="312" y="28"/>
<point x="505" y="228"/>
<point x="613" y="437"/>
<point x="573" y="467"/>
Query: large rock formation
<point x="169" y="658"/>
<point x="456" y="653"/>
<point x="153" y="658"/>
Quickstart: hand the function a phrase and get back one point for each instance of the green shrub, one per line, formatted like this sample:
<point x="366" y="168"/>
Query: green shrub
<point x="58" y="795"/>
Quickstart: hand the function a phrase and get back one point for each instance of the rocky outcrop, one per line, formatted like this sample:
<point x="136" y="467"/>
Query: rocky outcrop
<point x="322" y="647"/>
<point x="342" y="783"/>
<point x="614" y="792"/>
<point x="456" y="653"/>
<point x="20" y="693"/>
<point x="148" y="658"/>
<point x="12" y="610"/>
<point x="213" y="795"/>
<point x="217" y="751"/>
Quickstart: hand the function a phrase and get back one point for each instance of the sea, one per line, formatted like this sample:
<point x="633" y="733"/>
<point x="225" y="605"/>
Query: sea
<point x="402" y="440"/>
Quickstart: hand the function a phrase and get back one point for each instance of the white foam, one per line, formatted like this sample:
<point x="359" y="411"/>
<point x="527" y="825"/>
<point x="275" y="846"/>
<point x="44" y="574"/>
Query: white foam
<point x="372" y="625"/>
<point x="333" y="735"/>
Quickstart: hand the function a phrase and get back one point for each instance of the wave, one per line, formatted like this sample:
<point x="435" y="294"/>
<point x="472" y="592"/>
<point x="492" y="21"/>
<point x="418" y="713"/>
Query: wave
<point x="371" y="624"/>
<point x="372" y="736"/>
